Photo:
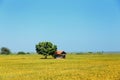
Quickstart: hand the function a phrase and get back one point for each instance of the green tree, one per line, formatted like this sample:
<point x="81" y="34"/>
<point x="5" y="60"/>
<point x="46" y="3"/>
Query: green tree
<point x="21" y="53"/>
<point x="46" y="48"/>
<point x="5" y="50"/>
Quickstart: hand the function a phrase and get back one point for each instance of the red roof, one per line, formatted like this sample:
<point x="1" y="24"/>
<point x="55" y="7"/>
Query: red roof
<point x="59" y="52"/>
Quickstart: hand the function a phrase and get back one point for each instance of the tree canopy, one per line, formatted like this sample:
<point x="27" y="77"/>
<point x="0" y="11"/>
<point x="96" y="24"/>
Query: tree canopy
<point x="5" y="50"/>
<point x="46" y="48"/>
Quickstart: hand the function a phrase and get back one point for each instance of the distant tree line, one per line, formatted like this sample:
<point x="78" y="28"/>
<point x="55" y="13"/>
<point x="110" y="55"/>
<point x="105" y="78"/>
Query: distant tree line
<point x="22" y="53"/>
<point x="88" y="53"/>
<point x="7" y="51"/>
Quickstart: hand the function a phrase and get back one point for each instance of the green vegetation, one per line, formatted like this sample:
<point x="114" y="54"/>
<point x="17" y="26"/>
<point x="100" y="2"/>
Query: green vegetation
<point x="21" y="53"/>
<point x="74" y="67"/>
<point x="46" y="48"/>
<point x="5" y="51"/>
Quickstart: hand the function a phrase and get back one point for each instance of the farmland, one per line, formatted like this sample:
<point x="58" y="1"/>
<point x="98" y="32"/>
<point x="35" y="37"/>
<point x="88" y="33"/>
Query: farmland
<point x="74" y="67"/>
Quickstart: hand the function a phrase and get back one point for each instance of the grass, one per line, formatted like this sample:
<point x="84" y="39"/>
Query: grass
<point x="74" y="67"/>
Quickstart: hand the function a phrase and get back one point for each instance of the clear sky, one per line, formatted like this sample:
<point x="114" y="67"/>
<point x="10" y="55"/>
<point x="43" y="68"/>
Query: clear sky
<point x="73" y="25"/>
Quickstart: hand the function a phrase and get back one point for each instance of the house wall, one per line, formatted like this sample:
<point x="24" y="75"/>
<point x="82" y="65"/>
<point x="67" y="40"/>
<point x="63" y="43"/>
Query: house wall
<point x="60" y="56"/>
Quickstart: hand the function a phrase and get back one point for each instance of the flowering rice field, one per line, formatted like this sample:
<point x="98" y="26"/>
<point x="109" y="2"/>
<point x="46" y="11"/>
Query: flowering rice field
<point x="74" y="67"/>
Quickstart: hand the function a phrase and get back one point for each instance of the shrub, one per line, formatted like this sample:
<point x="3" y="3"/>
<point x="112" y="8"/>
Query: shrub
<point x="21" y="53"/>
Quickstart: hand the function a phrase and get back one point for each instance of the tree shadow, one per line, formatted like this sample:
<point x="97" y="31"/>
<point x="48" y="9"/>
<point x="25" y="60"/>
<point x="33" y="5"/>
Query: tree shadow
<point x="46" y="58"/>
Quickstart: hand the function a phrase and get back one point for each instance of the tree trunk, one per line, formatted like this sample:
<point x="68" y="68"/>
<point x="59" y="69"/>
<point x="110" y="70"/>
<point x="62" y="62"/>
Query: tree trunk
<point x="45" y="56"/>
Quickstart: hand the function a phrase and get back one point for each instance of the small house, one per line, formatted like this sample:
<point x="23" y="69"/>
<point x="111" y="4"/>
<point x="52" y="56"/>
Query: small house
<point x="60" y="55"/>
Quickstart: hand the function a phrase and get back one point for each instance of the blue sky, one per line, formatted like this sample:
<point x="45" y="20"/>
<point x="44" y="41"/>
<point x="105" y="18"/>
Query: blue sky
<point x="73" y="25"/>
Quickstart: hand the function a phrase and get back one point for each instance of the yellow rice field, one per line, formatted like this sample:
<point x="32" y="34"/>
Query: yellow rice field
<point x="74" y="67"/>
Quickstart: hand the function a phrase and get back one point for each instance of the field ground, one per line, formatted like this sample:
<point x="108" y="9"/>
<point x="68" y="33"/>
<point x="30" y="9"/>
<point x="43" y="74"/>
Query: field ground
<point x="74" y="67"/>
